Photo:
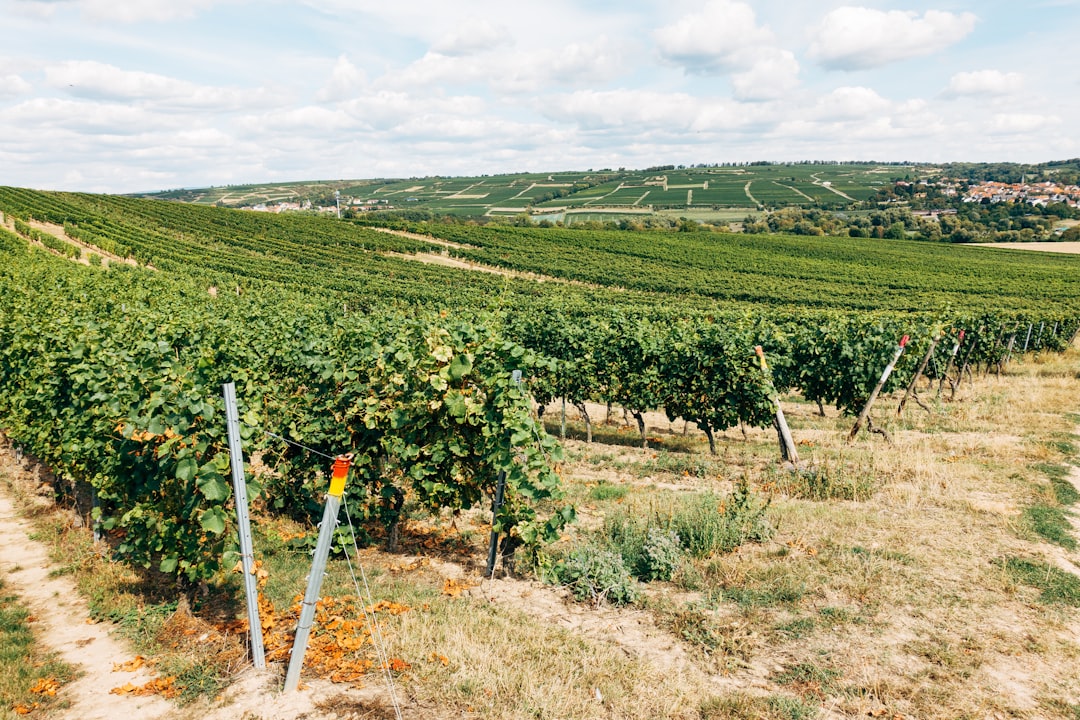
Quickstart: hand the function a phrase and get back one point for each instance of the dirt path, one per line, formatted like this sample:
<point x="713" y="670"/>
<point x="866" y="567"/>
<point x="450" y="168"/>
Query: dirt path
<point x="794" y="190"/>
<point x="828" y="186"/>
<point x="1069" y="248"/>
<point x="746" y="189"/>
<point x="63" y="621"/>
<point x="422" y="238"/>
<point x="447" y="261"/>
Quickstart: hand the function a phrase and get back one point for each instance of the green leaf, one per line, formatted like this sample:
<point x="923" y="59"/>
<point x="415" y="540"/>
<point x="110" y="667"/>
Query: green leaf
<point x="213" y="487"/>
<point x="455" y="405"/>
<point x="186" y="469"/>
<point x="460" y="366"/>
<point x="168" y="565"/>
<point x="212" y="520"/>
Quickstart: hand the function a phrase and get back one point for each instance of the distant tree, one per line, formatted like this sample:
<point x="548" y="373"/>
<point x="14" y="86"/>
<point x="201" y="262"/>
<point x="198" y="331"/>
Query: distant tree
<point x="896" y="231"/>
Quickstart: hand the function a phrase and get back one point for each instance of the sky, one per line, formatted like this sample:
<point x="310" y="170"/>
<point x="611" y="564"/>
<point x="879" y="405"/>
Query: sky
<point x="141" y="95"/>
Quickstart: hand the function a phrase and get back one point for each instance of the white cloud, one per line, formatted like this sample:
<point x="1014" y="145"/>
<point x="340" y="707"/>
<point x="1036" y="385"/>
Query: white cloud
<point x="983" y="83"/>
<point x="851" y="103"/>
<point x="99" y="81"/>
<point x="773" y="74"/>
<point x="92" y="118"/>
<point x="346" y="80"/>
<point x="13" y="85"/>
<point x="725" y="38"/>
<point x="1020" y="123"/>
<point x="513" y="71"/>
<point x="857" y="38"/>
<point x="718" y="39"/>
<point x="389" y="109"/>
<point x="617" y="108"/>
<point x="476" y="36"/>
<point x="669" y="116"/>
<point x="122" y="11"/>
<point x="310" y="119"/>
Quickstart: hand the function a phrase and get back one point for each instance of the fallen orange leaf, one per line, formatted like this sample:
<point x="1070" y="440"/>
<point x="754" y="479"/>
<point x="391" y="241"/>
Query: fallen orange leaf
<point x="131" y="665"/>
<point x="398" y="665"/>
<point x="454" y="588"/>
<point x="46" y="686"/>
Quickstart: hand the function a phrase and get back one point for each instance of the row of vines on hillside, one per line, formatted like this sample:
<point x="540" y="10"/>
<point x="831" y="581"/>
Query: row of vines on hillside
<point x="704" y="370"/>
<point x="113" y="378"/>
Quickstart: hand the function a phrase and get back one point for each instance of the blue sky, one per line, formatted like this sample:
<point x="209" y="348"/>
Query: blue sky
<point x="129" y="95"/>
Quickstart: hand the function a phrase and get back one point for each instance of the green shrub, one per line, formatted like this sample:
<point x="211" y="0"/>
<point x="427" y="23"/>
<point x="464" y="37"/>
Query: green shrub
<point x="661" y="553"/>
<point x="654" y="542"/>
<point x="598" y="575"/>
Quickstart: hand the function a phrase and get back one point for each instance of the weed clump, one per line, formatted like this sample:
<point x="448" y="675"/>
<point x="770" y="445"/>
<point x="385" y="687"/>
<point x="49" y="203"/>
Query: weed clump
<point x="700" y="525"/>
<point x="825" y="482"/>
<point x="598" y="575"/>
<point x="656" y="544"/>
<point x="1051" y="523"/>
<point x="661" y="554"/>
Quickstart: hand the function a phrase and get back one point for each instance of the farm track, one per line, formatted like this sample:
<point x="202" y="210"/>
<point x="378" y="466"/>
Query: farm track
<point x="746" y="189"/>
<point x="63" y="623"/>
<point x="424" y="238"/>
<point x="828" y="186"/>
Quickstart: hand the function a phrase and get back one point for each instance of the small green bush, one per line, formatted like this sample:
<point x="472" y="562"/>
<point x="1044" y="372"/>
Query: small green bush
<point x="661" y="554"/>
<point x="598" y="575"/>
<point x="653" y="543"/>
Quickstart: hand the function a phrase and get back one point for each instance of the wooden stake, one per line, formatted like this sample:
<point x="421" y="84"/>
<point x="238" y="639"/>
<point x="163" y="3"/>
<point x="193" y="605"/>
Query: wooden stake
<point x="918" y="374"/>
<point x="787" y="444"/>
<point x="881" y="383"/>
<point x="949" y="363"/>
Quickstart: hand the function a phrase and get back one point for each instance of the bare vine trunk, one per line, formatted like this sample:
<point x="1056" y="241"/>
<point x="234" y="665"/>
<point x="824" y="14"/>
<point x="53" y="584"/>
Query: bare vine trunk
<point x="588" y="423"/>
<point x="641" y="428"/>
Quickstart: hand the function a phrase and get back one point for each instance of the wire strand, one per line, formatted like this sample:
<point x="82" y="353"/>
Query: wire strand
<point x="369" y="614"/>
<point x="290" y="442"/>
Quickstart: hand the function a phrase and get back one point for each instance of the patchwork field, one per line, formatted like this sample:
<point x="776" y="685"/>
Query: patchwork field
<point x="697" y="189"/>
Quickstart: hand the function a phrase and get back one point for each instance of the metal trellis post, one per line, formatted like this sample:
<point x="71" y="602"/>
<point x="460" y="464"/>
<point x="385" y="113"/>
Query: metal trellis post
<point x="243" y="524"/>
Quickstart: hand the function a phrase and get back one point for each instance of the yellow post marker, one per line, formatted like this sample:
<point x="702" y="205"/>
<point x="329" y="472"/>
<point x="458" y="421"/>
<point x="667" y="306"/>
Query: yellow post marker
<point x="761" y="356"/>
<point x="340" y="473"/>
